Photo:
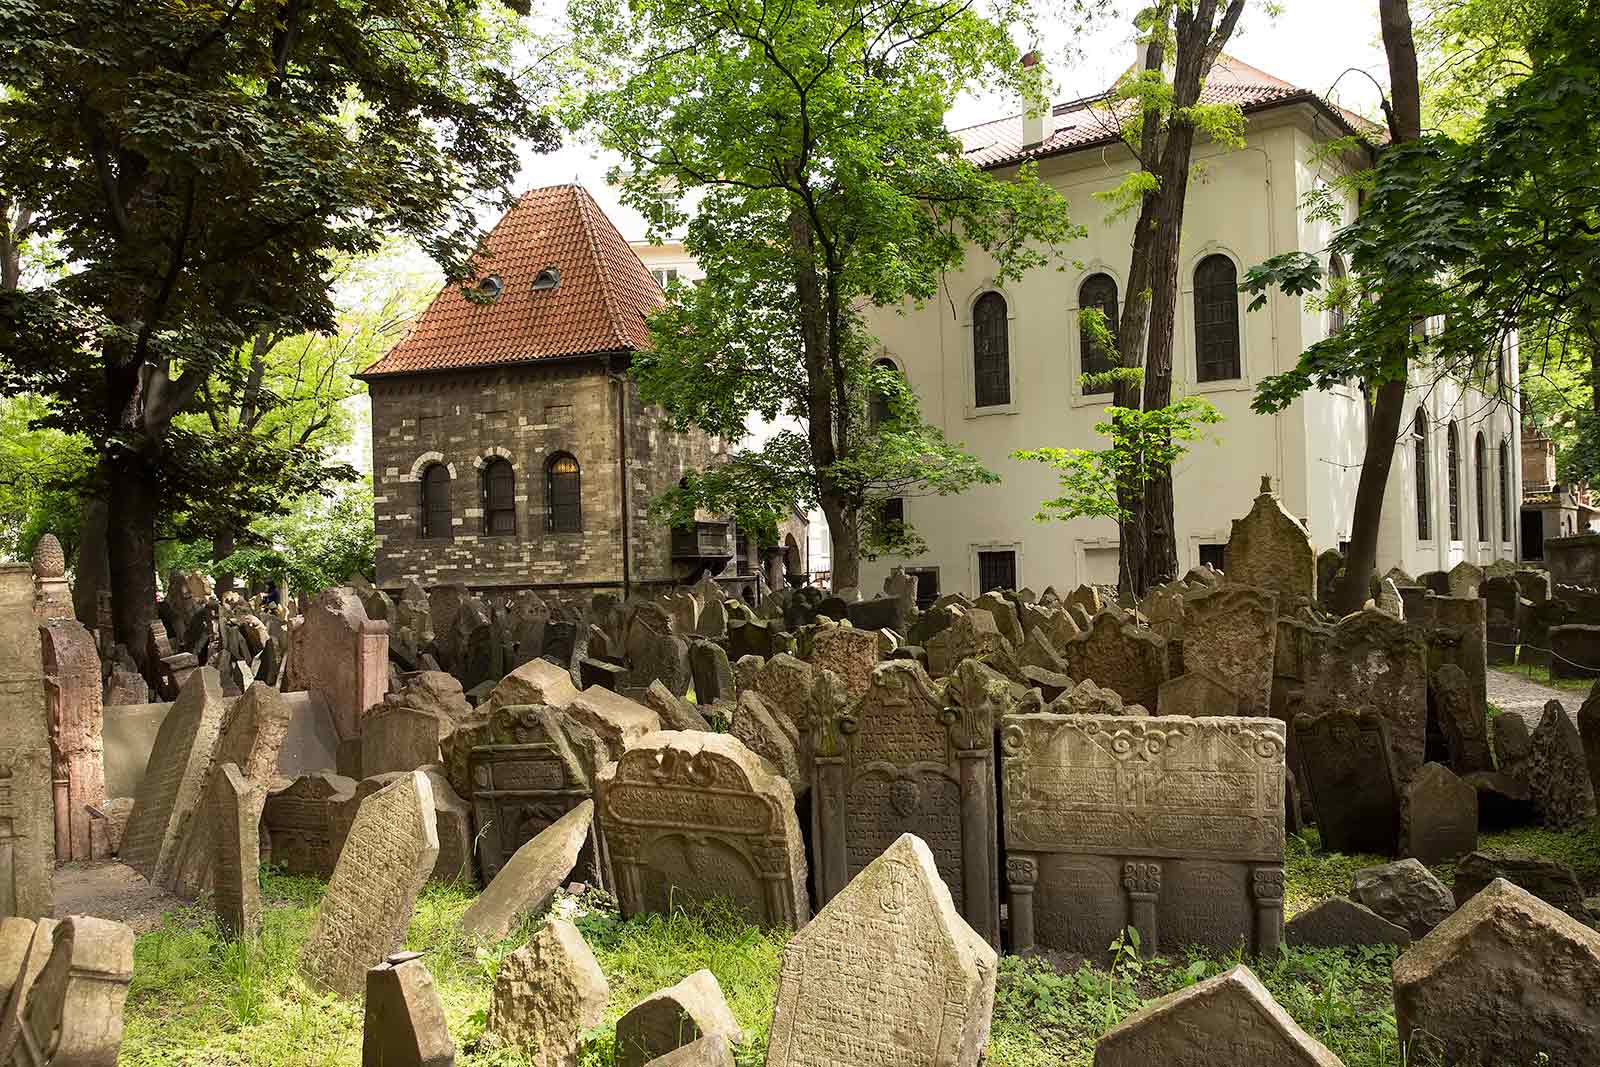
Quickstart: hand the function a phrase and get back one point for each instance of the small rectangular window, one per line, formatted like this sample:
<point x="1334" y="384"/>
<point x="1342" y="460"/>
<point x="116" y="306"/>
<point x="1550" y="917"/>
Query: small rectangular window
<point x="997" y="570"/>
<point x="1212" y="555"/>
<point x="927" y="585"/>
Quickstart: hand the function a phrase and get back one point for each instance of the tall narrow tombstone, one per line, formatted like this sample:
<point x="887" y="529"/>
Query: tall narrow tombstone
<point x="1439" y="816"/>
<point x="908" y="759"/>
<point x="72" y="689"/>
<point x="72" y="1012"/>
<point x="27" y="832"/>
<point x="1349" y="781"/>
<point x="405" y="1024"/>
<point x="1457" y="634"/>
<point x="1172" y="825"/>
<point x="174" y="779"/>
<point x="1463" y="723"/>
<point x="368" y="904"/>
<point x="1557" y="773"/>
<point x="1229" y="1019"/>
<point x="1374" y="662"/>
<point x="1229" y="638"/>
<point x="1271" y="549"/>
<point x="887" y="974"/>
<point x="689" y="817"/>
<point x="339" y="652"/>
<point x="236" y="817"/>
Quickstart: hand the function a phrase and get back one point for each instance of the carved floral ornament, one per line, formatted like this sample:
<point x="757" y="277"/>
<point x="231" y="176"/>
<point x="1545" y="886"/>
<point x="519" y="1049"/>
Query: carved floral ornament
<point x="1139" y="738"/>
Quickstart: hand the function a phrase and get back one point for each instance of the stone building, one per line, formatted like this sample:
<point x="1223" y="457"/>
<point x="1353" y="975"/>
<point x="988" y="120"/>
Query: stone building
<point x="510" y="449"/>
<point x="1551" y="509"/>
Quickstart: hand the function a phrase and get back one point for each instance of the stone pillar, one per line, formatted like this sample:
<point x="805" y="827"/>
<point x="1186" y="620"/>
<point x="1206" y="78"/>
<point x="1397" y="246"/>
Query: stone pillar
<point x="1142" y="880"/>
<point x="72" y="687"/>
<point x="27" y="832"/>
<point x="828" y="815"/>
<point x="977" y="817"/>
<point x="1021" y="874"/>
<point x="1266" y="887"/>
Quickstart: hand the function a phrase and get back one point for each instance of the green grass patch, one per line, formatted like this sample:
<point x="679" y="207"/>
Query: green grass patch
<point x="1535" y="672"/>
<point x="1312" y="875"/>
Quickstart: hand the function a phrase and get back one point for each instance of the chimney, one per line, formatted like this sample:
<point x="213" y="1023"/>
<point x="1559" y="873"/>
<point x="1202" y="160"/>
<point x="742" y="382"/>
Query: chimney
<point x="1038" y="120"/>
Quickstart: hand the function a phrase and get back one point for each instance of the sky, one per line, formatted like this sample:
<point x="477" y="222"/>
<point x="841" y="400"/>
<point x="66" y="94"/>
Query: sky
<point x="1313" y="44"/>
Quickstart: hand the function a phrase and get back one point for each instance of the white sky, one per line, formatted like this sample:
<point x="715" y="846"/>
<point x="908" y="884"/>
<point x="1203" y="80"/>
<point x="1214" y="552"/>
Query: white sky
<point x="1311" y="44"/>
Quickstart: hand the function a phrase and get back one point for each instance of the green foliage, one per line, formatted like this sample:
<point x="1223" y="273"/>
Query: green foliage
<point x="39" y="469"/>
<point x="1094" y="482"/>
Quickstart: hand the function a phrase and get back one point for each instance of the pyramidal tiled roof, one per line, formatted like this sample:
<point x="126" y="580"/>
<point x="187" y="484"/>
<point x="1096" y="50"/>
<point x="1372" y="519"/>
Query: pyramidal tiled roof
<point x="599" y="304"/>
<point x="1096" y="120"/>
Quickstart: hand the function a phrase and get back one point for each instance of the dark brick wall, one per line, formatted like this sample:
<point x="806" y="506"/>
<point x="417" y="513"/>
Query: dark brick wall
<point x="525" y="414"/>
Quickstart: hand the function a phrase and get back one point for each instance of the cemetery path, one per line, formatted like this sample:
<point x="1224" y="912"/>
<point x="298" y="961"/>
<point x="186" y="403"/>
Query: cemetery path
<point x="111" y="890"/>
<point x="1510" y="691"/>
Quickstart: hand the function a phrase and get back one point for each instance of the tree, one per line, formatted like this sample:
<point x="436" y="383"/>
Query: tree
<point x="202" y="166"/>
<point x="810" y="137"/>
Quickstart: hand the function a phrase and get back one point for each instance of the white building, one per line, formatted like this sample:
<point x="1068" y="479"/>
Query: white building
<point x="998" y="368"/>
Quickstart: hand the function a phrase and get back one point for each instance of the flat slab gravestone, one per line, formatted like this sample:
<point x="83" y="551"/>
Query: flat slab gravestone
<point x="236" y="882"/>
<point x="673" y="1017"/>
<point x="175" y="778"/>
<point x="368" y="904"/>
<point x="887" y="974"/>
<point x="300" y="822"/>
<point x="534" y="873"/>
<point x="1172" y="825"/>
<point x="27" y="808"/>
<point x="1439" y="818"/>
<point x="1344" y="765"/>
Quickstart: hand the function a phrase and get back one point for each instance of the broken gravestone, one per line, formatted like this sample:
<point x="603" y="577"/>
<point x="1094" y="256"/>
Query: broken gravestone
<point x="548" y="992"/>
<point x="405" y="1024"/>
<point x="71" y="1012"/>
<point x="532" y="876"/>
<point x="674" y="1017"/>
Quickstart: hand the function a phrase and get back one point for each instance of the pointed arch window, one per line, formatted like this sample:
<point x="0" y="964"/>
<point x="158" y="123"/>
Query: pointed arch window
<point x="878" y="411"/>
<point x="1098" y="291"/>
<point x="1452" y="456"/>
<point x="436" y="501"/>
<point x="1216" y="319"/>
<point x="499" y="498"/>
<point x="991" y="352"/>
<point x="1505" y="489"/>
<point x="1419" y="438"/>
<point x="564" y="494"/>
<point x="1480" y="476"/>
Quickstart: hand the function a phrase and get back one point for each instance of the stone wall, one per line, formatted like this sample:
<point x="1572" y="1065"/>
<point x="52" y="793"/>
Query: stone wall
<point x="1574" y="560"/>
<point x="525" y="414"/>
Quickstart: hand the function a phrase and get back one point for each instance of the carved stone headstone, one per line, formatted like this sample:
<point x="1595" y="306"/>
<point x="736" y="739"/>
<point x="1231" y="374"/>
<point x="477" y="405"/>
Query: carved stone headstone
<point x="1439" y="816"/>
<point x="405" y="1024"/>
<point x="300" y="822"/>
<point x="1119" y="656"/>
<point x="1271" y="549"/>
<point x="1344" y="758"/>
<point x="27" y="834"/>
<point x="887" y="974"/>
<point x="713" y="674"/>
<point x="908" y="759"/>
<point x="174" y="782"/>
<point x="849" y="653"/>
<point x="387" y="856"/>
<point x="1229" y="634"/>
<point x="396" y="736"/>
<point x="688" y="817"/>
<point x="1556" y="771"/>
<point x="1376" y="663"/>
<point x="235" y="818"/>
<point x="773" y="737"/>
<point x="72" y="1012"/>
<point x="339" y="652"/>
<point x="1171" y="825"/>
<point x="72" y="690"/>
<point x="548" y="992"/>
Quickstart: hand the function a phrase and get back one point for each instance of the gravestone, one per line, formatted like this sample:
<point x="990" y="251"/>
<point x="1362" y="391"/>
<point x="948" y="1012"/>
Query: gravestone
<point x="1270" y="549"/>
<point x="972" y="634"/>
<point x="1505" y="980"/>
<point x="1373" y="662"/>
<point x="1589" y="734"/>
<point x="908" y="758"/>
<point x="1171" y="825"/>
<point x="534" y="873"/>
<point x="27" y="832"/>
<point x="1556" y="771"/>
<point x="1119" y="656"/>
<point x="452" y="820"/>
<point x="1502" y="605"/>
<point x="235" y="818"/>
<point x="713" y="675"/>
<point x="396" y="736"/>
<point x="706" y="1052"/>
<point x="1340" y="921"/>
<point x="1439" y="816"/>
<point x="1227" y="1019"/>
<point x="535" y="682"/>
<point x="547" y="994"/>
<point x="1575" y="651"/>
<point x="1229" y="638"/>
<point x="1196" y="695"/>
<point x="175" y="777"/>
<point x="773" y="737"/>
<point x="1465" y="579"/>
<point x="1463" y="724"/>
<point x="339" y="652"/>
<point x="1404" y="892"/>
<point x="674" y="1017"/>
<point x="72" y="692"/>
<point x="849" y="653"/>
<point x="1456" y="633"/>
<point x="405" y="1024"/>
<point x="689" y="817"/>
<point x="1550" y="880"/>
<point x="529" y="615"/>
<point x="386" y="858"/>
<point x="72" y="1012"/>
<point x="300" y="822"/>
<point x="786" y="684"/>
<point x="1348" y="779"/>
<point x="675" y="713"/>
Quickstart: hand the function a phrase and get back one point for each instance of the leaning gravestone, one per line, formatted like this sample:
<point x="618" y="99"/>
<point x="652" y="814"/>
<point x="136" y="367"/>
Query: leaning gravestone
<point x="1229" y="1019"/>
<point x="236" y="848"/>
<point x="174" y="778"/>
<point x="1171" y="825"/>
<point x="887" y="974"/>
<point x="1507" y="979"/>
<point x="1340" y="921"/>
<point x="688" y="817"/>
<point x="1229" y="636"/>
<point x="525" y="884"/>
<point x="1438" y="816"/>
<point x="387" y="856"/>
<point x="1344" y="760"/>
<point x="1270" y="549"/>
<point x="906" y="759"/>
<point x="1557" y="773"/>
<point x="1464" y="725"/>
<point x="27" y="841"/>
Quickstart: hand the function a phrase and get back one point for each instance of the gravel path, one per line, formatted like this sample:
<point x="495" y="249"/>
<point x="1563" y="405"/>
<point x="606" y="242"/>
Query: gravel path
<point x="111" y="890"/>
<point x="1511" y="691"/>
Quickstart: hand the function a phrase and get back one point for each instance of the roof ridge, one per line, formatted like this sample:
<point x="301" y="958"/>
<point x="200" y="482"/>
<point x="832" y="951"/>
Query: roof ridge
<point x="607" y="297"/>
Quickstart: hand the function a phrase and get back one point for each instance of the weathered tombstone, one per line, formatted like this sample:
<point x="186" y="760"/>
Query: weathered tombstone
<point x="534" y="873"/>
<point x="1557" y="773"/>
<point x="386" y="858"/>
<point x="971" y="634"/>
<point x="300" y="822"/>
<point x="708" y="1051"/>
<point x="174" y="782"/>
<point x="452" y="820"/>
<point x="27" y="836"/>
<point x="1404" y="892"/>
<point x="1438" y="816"/>
<point x="1229" y="637"/>
<point x="405" y="1024"/>
<point x="713" y="675"/>
<point x="548" y="992"/>
<point x="529" y="616"/>
<point x="673" y="1017"/>
<point x="235" y="818"/>
<point x="1197" y="696"/>
<point x="535" y="682"/>
<point x="1589" y="734"/>
<point x="1344" y="760"/>
<point x="339" y="652"/>
<point x="786" y="684"/>
<point x="689" y="817"/>
<point x="1170" y="825"/>
<point x="1575" y="651"/>
<point x="72" y="691"/>
<point x="1119" y="656"/>
<point x="1456" y="633"/>
<point x="1507" y="979"/>
<point x="1227" y="1019"/>
<point x="909" y="759"/>
<point x="1550" y="880"/>
<point x="849" y="653"/>
<point x="72" y="1011"/>
<point x="1270" y="549"/>
<point x="887" y="974"/>
<point x="773" y="737"/>
<point x="1340" y="921"/>
<point x="398" y="736"/>
<point x="675" y="712"/>
<point x="1465" y="579"/>
<point x="1374" y="662"/>
<point x="1460" y="720"/>
<point x="1502" y="606"/>
<point x="1389" y="600"/>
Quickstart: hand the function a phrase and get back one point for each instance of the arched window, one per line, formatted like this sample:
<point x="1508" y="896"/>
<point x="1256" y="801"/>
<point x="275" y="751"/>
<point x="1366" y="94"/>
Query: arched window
<point x="1336" y="276"/>
<point x="1480" y="474"/>
<point x="991" y="352"/>
<point x="1419" y="435"/>
<point x="563" y="494"/>
<point x="499" y="497"/>
<point x="1505" y="489"/>
<point x="436" y="501"/>
<point x="1098" y="291"/>
<point x="878" y="411"/>
<point x="1216" y="319"/>
<point x="1452" y="456"/>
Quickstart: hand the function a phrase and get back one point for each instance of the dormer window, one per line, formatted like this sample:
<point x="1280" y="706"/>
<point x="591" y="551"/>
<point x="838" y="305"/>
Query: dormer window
<point x="548" y="278"/>
<point x="489" y="288"/>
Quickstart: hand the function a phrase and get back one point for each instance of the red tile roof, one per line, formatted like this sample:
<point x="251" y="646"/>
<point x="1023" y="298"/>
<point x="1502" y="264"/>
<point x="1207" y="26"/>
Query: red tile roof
<point x="599" y="305"/>
<point x="1095" y="120"/>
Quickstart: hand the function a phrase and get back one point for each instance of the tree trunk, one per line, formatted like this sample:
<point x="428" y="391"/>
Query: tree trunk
<point x="221" y="548"/>
<point x="1383" y="433"/>
<point x="131" y="552"/>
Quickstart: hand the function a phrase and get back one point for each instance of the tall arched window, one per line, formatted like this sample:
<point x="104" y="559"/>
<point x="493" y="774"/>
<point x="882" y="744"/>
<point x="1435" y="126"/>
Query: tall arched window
<point x="1480" y="474"/>
<point x="1419" y="437"/>
<point x="499" y="497"/>
<point x="1216" y="319"/>
<point x="878" y="411"/>
<point x="991" y="352"/>
<point x="563" y="494"/>
<point x="1336" y="276"/>
<point x="1452" y="456"/>
<point x="1098" y="291"/>
<point x="1505" y="489"/>
<point x="436" y="501"/>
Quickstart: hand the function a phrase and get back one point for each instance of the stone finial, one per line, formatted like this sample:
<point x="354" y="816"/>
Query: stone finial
<point x="49" y="561"/>
<point x="1266" y="484"/>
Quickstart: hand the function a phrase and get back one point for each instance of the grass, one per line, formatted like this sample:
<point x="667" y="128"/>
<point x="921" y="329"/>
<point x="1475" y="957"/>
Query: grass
<point x="200" y="1001"/>
<point x="1535" y="672"/>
